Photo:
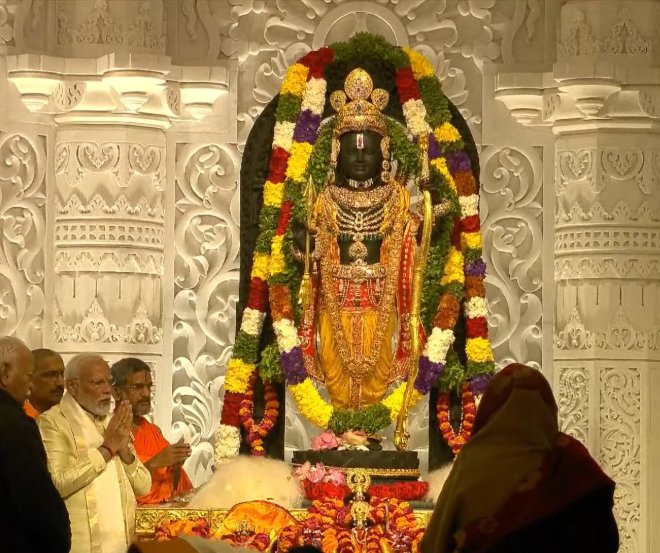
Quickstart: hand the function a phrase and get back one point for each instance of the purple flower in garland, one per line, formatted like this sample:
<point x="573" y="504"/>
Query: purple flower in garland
<point x="475" y="268"/>
<point x="434" y="149"/>
<point x="458" y="161"/>
<point x="307" y="127"/>
<point x="479" y="383"/>
<point x="293" y="366"/>
<point x="428" y="374"/>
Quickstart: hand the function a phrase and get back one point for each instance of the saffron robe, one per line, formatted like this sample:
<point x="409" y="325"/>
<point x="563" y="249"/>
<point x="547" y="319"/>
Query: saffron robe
<point x="149" y="441"/>
<point x="30" y="410"/>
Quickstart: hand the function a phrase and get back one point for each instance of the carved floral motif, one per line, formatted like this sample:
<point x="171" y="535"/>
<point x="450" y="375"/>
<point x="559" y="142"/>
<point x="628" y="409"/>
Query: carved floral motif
<point x="23" y="231"/>
<point x="574" y="402"/>
<point x="205" y="293"/>
<point x="100" y="27"/>
<point x="624" y="37"/>
<point x="121" y="160"/>
<point x="511" y="210"/>
<point x="619" y="452"/>
<point x="574" y="334"/>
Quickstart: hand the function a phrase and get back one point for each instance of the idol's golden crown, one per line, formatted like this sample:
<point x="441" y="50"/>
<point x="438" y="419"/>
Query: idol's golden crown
<point x="360" y="114"/>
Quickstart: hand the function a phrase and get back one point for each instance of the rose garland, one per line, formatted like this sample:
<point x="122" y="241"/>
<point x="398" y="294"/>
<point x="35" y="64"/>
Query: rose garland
<point x="275" y="279"/>
<point x="469" y="412"/>
<point x="257" y="432"/>
<point x="327" y="527"/>
<point x="405" y="491"/>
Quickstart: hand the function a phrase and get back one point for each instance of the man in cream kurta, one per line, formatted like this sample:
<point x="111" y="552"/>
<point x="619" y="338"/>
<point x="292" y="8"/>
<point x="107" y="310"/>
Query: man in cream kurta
<point x="91" y="459"/>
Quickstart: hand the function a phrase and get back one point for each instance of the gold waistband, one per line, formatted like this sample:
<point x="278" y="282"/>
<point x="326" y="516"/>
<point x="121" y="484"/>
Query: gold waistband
<point x="359" y="272"/>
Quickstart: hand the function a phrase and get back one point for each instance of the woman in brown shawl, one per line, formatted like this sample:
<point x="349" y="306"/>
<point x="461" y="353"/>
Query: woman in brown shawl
<point x="520" y="485"/>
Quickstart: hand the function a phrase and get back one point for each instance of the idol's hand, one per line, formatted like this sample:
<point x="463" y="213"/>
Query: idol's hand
<point x="299" y="238"/>
<point x="436" y="198"/>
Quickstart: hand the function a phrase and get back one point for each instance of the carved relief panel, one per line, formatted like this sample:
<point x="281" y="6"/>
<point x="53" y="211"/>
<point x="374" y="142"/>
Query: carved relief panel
<point x="109" y="243"/>
<point x="23" y="233"/>
<point x="206" y="272"/>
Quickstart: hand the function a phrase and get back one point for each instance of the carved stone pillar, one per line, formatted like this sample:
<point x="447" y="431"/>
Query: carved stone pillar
<point x="607" y="248"/>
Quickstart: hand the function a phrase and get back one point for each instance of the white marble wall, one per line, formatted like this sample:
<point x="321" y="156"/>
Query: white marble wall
<point x="121" y="132"/>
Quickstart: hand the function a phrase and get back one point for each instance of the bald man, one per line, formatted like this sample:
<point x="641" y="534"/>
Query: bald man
<point x="92" y="460"/>
<point x="33" y="517"/>
<point x="47" y="384"/>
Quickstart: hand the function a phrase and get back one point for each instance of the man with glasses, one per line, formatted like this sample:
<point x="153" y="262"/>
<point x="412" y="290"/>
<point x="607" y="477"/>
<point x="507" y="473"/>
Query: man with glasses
<point x="133" y="383"/>
<point x="92" y="460"/>
<point x="47" y="384"/>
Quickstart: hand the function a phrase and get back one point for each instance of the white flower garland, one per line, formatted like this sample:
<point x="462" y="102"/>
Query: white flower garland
<point x="227" y="443"/>
<point x="438" y="345"/>
<point x="287" y="335"/>
<point x="476" y="307"/>
<point x="469" y="205"/>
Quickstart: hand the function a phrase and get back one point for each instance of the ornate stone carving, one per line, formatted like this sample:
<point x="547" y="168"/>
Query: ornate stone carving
<point x="574" y="402"/>
<point x="23" y="233"/>
<point x="600" y="238"/>
<point x="579" y="40"/>
<point x="622" y="335"/>
<point x="205" y="292"/>
<point x="574" y="166"/>
<point x="625" y="38"/>
<point x="93" y="328"/>
<point x="574" y="335"/>
<point x="607" y="266"/>
<point x="68" y="94"/>
<point x="122" y="160"/>
<point x="619" y="452"/>
<point x="512" y="233"/>
<point x="7" y="21"/>
<point x="121" y="208"/>
<point x="141" y="330"/>
<point x="74" y="259"/>
<point x="621" y="214"/>
<point x="100" y="27"/>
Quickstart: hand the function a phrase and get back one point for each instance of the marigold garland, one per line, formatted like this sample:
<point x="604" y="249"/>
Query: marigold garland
<point x="469" y="411"/>
<point x="449" y="270"/>
<point x="257" y="432"/>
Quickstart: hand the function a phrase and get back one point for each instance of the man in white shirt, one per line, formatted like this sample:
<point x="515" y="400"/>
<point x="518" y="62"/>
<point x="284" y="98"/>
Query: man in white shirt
<point x="91" y="458"/>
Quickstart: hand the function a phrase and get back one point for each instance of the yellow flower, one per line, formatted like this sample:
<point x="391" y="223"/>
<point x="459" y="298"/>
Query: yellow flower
<point x="453" y="271"/>
<point x="446" y="133"/>
<point x="273" y="194"/>
<point x="300" y="152"/>
<point x="440" y="163"/>
<point x="478" y="350"/>
<point x="260" y="266"/>
<point x="238" y="375"/>
<point x="394" y="401"/>
<point x="295" y="80"/>
<point x="277" y="260"/>
<point x="421" y="66"/>
<point x="310" y="403"/>
<point x="471" y="240"/>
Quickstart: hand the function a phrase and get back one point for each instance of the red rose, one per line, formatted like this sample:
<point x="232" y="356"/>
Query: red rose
<point x="230" y="409"/>
<point x="258" y="296"/>
<point x="477" y="327"/>
<point x="456" y="234"/>
<point x="285" y="215"/>
<point x="326" y="54"/>
<point x="406" y="85"/>
<point x="470" y="224"/>
<point x="279" y="159"/>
